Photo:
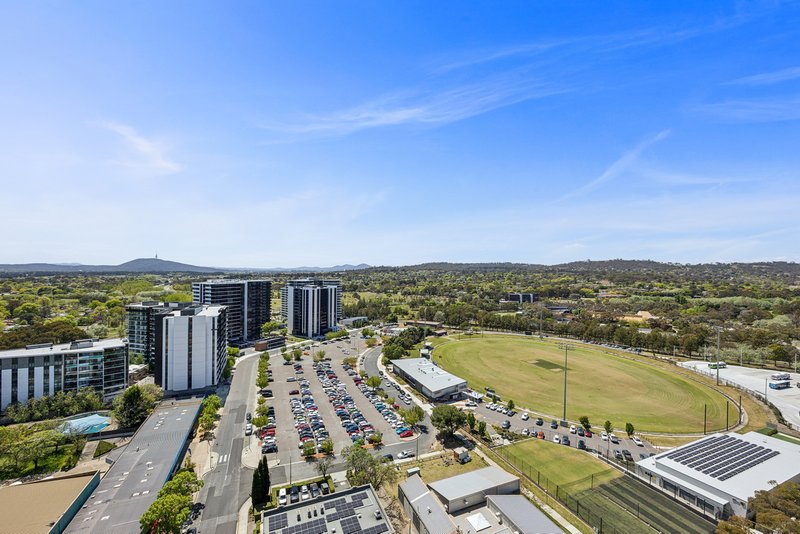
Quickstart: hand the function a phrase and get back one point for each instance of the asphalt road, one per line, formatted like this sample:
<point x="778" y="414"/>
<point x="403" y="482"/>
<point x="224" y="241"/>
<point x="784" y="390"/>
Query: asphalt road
<point x="227" y="485"/>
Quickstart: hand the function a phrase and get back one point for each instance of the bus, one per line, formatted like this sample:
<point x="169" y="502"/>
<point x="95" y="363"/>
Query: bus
<point x="779" y="384"/>
<point x="717" y="365"/>
<point x="780" y="376"/>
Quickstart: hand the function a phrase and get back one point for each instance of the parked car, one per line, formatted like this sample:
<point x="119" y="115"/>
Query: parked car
<point x="539" y="421"/>
<point x="618" y="454"/>
<point x="554" y="424"/>
<point x="304" y="494"/>
<point x="388" y="458"/>
<point x="294" y="494"/>
<point x="565" y="440"/>
<point x="506" y="424"/>
<point x="627" y="455"/>
<point x="638" y="441"/>
<point x="581" y="431"/>
<point x="581" y="445"/>
<point x="588" y="433"/>
<point x="573" y="429"/>
<point x="248" y="416"/>
<point x="524" y="416"/>
<point x="282" y="497"/>
<point x="613" y="438"/>
<point x="556" y="439"/>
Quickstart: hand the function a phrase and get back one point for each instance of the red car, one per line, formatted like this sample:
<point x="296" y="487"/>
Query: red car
<point x="406" y="434"/>
<point x="294" y="392"/>
<point x="540" y="435"/>
<point x="588" y="434"/>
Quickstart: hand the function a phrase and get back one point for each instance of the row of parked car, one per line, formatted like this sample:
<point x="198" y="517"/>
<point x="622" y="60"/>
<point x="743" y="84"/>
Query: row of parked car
<point x="307" y="419"/>
<point x="386" y="410"/>
<point x="301" y="493"/>
<point x="353" y="421"/>
<point x="401" y="395"/>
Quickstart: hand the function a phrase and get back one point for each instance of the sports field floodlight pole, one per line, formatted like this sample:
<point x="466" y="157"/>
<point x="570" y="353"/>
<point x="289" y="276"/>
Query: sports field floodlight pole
<point x="718" y="329"/>
<point x="567" y="348"/>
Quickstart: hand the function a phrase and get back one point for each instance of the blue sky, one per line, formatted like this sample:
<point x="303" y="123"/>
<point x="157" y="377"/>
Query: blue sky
<point x="315" y="133"/>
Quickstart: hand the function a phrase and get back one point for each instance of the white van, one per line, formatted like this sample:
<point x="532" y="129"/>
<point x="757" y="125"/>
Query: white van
<point x="282" y="497"/>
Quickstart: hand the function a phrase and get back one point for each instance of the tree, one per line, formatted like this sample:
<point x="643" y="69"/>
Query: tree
<point x="482" y="428"/>
<point x="269" y="327"/>
<point x="372" y="342"/>
<point x="394" y="352"/>
<point x="412" y="415"/>
<point x="471" y="421"/>
<point x="206" y="422"/>
<point x="584" y="420"/>
<point x="609" y="428"/>
<point x="134" y="405"/>
<point x="324" y="464"/>
<point x="376" y="438"/>
<point x="166" y="514"/>
<point x="775" y="511"/>
<point x="261" y="482"/>
<point x="185" y="482"/>
<point x="447" y="419"/>
<point x="286" y="357"/>
<point x="364" y="468"/>
<point x="309" y="448"/>
<point x="374" y="382"/>
<point x="510" y="404"/>
<point x="327" y="446"/>
<point x="297" y="354"/>
<point x="629" y="429"/>
<point x="319" y="356"/>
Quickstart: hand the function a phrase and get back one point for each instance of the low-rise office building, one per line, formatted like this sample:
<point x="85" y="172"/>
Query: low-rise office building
<point x="44" y="369"/>
<point x="355" y="510"/>
<point x="467" y="490"/>
<point x="430" y="380"/>
<point x="719" y="473"/>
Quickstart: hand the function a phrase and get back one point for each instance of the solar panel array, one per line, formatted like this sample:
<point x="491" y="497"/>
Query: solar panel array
<point x="722" y="457"/>
<point x="335" y="510"/>
<point x="277" y="522"/>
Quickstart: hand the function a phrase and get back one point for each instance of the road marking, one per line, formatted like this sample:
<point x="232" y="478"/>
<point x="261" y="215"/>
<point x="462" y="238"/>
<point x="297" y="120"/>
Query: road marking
<point x="223" y="459"/>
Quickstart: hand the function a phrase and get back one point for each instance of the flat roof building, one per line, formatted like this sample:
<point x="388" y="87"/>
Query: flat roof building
<point x="311" y="307"/>
<point x="718" y="473"/>
<point x="148" y="461"/>
<point x="248" y="301"/>
<point x="430" y="380"/>
<point x="44" y="369"/>
<point x="463" y="491"/>
<point x="46" y="506"/>
<point x="518" y="514"/>
<point x="355" y="510"/>
<point x="423" y="508"/>
<point x="143" y="324"/>
<point x="194" y="349"/>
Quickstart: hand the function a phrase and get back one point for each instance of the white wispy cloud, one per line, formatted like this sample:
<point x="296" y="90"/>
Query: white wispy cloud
<point x="622" y="164"/>
<point x="431" y="106"/>
<point x="768" y="78"/>
<point x="776" y="109"/>
<point x="143" y="153"/>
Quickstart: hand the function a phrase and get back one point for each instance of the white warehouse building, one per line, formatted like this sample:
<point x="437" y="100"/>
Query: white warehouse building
<point x="718" y="473"/>
<point x="194" y="349"/>
<point x="430" y="380"/>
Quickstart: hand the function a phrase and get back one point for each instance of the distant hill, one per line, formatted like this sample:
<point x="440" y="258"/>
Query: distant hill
<point x="155" y="265"/>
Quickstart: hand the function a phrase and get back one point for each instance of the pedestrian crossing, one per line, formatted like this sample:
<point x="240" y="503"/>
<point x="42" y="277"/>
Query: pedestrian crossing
<point x="222" y="459"/>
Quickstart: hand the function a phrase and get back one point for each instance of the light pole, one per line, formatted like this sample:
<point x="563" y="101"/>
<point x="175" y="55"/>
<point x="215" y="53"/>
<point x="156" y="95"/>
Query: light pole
<point x="567" y="348"/>
<point x="718" y="329"/>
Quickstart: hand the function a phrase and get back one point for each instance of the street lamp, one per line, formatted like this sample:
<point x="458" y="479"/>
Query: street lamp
<point x="566" y="348"/>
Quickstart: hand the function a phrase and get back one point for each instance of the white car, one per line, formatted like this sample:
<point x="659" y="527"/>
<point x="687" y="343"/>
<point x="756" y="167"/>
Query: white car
<point x="524" y="431"/>
<point x="613" y="438"/>
<point x="557" y="439"/>
<point x="304" y="494"/>
<point x="471" y="404"/>
<point x="282" y="497"/>
<point x="603" y="436"/>
<point x="404" y="454"/>
<point x="573" y="429"/>
<point x="637" y="441"/>
<point x="525" y="416"/>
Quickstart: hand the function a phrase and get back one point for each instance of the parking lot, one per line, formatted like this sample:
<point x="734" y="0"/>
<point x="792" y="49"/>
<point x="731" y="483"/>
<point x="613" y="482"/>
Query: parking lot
<point x="306" y="397"/>
<point x="543" y="429"/>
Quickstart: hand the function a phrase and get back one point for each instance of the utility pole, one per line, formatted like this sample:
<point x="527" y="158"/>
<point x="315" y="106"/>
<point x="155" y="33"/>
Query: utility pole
<point x="567" y="348"/>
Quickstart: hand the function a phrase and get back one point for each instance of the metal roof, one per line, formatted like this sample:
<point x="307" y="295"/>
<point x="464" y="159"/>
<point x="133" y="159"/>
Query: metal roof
<point x="427" y="507"/>
<point x="728" y="464"/>
<point x="46" y="349"/>
<point x="479" y="481"/>
<point x="526" y="517"/>
<point x="427" y="374"/>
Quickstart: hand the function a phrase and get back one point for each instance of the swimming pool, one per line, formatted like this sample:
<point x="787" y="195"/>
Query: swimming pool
<point x="86" y="424"/>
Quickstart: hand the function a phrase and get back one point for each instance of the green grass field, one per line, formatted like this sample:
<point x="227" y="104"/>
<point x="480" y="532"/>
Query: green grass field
<point x="601" y="386"/>
<point x="563" y="466"/>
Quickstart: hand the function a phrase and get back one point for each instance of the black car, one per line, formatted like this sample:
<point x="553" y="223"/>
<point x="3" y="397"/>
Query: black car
<point x="581" y="432"/>
<point x="249" y="416"/>
<point x="565" y="441"/>
<point x="388" y="458"/>
<point x="539" y="421"/>
<point x="506" y="424"/>
<point x="294" y="494"/>
<point x="324" y="488"/>
<point x="581" y="445"/>
<point x="554" y="424"/>
<point x="627" y="455"/>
